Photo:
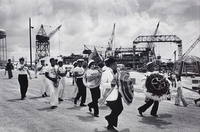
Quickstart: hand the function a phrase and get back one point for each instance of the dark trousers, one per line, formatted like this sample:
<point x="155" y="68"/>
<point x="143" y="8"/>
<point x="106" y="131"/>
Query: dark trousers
<point x="149" y="102"/>
<point x="10" y="74"/>
<point x="95" y="93"/>
<point x="23" y="82"/>
<point x="116" y="109"/>
<point x="81" y="90"/>
<point x="197" y="99"/>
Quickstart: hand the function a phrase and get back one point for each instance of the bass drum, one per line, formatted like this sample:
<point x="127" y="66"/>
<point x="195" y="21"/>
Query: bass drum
<point x="126" y="87"/>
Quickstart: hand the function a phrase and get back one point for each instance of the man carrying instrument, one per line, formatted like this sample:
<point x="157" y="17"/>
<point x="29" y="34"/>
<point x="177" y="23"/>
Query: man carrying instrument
<point x="110" y="84"/>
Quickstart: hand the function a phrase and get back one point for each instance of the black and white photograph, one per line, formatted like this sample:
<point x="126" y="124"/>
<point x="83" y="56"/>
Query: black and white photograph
<point x="99" y="65"/>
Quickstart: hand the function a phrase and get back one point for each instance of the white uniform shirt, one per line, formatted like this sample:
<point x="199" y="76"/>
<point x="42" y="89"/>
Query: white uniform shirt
<point x="52" y="71"/>
<point x="106" y="79"/>
<point x="24" y="70"/>
<point x="43" y="70"/>
<point x="80" y="71"/>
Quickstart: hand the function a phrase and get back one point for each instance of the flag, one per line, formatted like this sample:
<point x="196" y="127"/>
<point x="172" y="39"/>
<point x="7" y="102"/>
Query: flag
<point x="95" y="56"/>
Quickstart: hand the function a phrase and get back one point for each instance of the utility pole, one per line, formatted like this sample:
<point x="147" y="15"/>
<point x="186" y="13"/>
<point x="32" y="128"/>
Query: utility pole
<point x="30" y="27"/>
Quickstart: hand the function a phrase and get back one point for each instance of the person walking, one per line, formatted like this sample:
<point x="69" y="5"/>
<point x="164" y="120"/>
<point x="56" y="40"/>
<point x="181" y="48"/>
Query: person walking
<point x="110" y="84"/>
<point x="91" y="80"/>
<point x="74" y="80"/>
<point x="36" y="69"/>
<point x="156" y="83"/>
<point x="78" y="73"/>
<point x="53" y="82"/>
<point x="9" y="68"/>
<point x="179" y="94"/>
<point x="197" y="100"/>
<point x="62" y="73"/>
<point x="22" y="77"/>
<point x="42" y="69"/>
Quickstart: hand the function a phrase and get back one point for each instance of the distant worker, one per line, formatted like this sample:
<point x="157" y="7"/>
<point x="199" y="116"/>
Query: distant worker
<point x="36" y="69"/>
<point x="9" y="68"/>
<point x="62" y="73"/>
<point x="179" y="94"/>
<point x="197" y="100"/>
<point x="22" y="77"/>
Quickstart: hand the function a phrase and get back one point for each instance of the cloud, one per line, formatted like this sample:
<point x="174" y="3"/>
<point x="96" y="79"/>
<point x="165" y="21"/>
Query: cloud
<point x="91" y="22"/>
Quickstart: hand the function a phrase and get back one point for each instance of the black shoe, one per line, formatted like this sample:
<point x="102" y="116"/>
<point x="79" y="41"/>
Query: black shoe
<point x="45" y="94"/>
<point x="111" y="128"/>
<point x="83" y="105"/>
<point x="90" y="109"/>
<point x="96" y="115"/>
<point x="195" y="102"/>
<point x="22" y="98"/>
<point x="53" y="107"/>
<point x="75" y="101"/>
<point x="154" y="115"/>
<point x="59" y="99"/>
<point x="140" y="112"/>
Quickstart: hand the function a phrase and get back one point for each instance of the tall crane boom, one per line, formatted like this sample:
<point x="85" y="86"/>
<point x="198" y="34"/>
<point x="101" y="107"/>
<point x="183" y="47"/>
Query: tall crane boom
<point x="191" y="47"/>
<point x="54" y="31"/>
<point x="109" y="51"/>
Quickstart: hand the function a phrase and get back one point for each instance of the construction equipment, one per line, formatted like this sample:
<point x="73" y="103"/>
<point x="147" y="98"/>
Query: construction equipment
<point x="141" y="56"/>
<point x="191" y="47"/>
<point x="151" y="45"/>
<point x="42" y="42"/>
<point x="109" y="49"/>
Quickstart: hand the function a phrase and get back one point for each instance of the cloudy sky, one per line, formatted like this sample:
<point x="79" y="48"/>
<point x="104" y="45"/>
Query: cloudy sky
<point x="90" y="22"/>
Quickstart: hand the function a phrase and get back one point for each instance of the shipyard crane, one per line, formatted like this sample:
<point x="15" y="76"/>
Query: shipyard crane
<point x="42" y="42"/>
<point x="151" y="46"/>
<point x="109" y="51"/>
<point x="191" y="47"/>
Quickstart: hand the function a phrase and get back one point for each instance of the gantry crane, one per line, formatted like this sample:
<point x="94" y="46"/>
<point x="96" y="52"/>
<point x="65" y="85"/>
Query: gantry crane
<point x="42" y="42"/>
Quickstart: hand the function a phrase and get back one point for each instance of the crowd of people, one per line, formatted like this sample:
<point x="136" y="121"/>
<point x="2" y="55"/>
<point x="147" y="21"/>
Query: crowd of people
<point x="101" y="80"/>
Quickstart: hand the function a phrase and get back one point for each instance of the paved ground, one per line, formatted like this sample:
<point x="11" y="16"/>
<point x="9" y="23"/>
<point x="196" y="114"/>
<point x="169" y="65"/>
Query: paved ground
<point x="34" y="114"/>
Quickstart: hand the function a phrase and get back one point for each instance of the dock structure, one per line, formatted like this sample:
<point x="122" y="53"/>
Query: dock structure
<point x="3" y="48"/>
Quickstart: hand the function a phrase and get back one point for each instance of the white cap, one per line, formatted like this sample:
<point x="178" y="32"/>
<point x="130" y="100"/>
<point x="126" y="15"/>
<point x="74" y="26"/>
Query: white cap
<point x="91" y="61"/>
<point x="80" y="60"/>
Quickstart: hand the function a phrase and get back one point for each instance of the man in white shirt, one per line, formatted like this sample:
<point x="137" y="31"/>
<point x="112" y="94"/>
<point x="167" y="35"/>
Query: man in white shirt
<point x="62" y="73"/>
<point x="53" y="81"/>
<point x="22" y="77"/>
<point x="78" y="73"/>
<point x="110" y="84"/>
<point x="42" y="69"/>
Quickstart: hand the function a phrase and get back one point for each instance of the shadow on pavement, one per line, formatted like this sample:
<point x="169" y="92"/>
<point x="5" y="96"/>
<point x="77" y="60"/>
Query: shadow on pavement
<point x="45" y="109"/>
<point x="86" y="118"/>
<point x="74" y="108"/>
<point x="38" y="97"/>
<point x="14" y="100"/>
<point x="165" y="115"/>
<point x="158" y="122"/>
<point x="124" y="130"/>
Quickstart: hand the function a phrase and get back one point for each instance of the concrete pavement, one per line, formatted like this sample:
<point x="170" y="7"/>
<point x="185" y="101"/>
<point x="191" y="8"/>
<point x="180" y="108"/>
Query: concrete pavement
<point x="34" y="114"/>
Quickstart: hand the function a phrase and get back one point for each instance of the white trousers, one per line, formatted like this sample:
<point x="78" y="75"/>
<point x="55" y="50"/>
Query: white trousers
<point x="179" y="96"/>
<point x="44" y="86"/>
<point x="53" y="93"/>
<point x="61" y="87"/>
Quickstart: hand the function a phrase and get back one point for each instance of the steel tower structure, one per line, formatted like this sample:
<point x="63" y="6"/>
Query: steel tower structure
<point x="42" y="42"/>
